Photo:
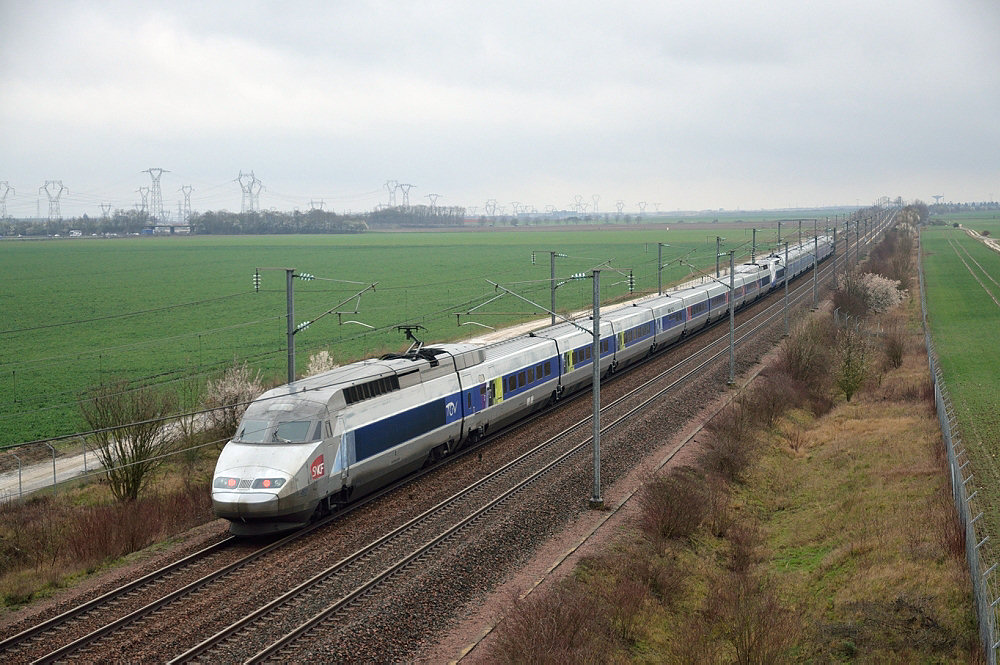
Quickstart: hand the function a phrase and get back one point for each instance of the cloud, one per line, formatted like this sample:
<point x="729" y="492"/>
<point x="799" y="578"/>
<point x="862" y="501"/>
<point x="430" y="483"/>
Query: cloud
<point x="702" y="103"/>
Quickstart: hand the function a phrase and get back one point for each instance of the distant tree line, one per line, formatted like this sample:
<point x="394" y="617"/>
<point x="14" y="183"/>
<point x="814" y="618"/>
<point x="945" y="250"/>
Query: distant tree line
<point x="223" y="222"/>
<point x="419" y="215"/>
<point x="121" y="222"/>
<point x="942" y="208"/>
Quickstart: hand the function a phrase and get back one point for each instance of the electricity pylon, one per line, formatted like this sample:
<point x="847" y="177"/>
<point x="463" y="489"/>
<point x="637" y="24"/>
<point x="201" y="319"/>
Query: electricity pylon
<point x="53" y="189"/>
<point x="186" y="190"/>
<point x="156" y="200"/>
<point x="144" y="193"/>
<point x="5" y="189"/>
<point x="246" y="181"/>
<point x="405" y="188"/>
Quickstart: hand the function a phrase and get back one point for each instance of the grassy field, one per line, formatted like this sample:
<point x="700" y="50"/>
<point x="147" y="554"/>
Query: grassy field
<point x="79" y="312"/>
<point x="979" y="220"/>
<point x="837" y="542"/>
<point x="961" y="277"/>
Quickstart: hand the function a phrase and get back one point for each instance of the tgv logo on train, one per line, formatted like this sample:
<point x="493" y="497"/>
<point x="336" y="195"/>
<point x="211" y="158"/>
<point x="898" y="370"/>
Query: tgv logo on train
<point x="382" y="418"/>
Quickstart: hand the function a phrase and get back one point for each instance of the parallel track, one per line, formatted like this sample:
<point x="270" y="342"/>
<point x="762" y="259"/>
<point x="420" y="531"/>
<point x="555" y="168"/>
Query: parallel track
<point x="348" y="581"/>
<point x="545" y="454"/>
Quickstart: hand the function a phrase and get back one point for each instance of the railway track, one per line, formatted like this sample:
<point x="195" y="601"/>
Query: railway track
<point x="355" y="578"/>
<point x="347" y="579"/>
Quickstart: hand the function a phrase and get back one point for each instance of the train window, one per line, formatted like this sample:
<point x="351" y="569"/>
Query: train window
<point x="531" y="374"/>
<point x="548" y="367"/>
<point x="468" y="400"/>
<point x="520" y="379"/>
<point x="539" y="373"/>
<point x="295" y="431"/>
<point x="252" y="431"/>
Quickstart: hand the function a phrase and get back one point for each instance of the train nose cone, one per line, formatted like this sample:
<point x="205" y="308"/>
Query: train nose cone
<point x="244" y="505"/>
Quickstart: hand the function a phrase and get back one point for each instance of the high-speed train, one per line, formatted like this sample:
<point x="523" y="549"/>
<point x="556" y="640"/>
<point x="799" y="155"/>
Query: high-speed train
<point x="305" y="448"/>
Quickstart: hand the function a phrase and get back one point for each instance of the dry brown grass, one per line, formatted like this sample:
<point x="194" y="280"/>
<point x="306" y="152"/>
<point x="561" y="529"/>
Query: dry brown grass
<point x="839" y="543"/>
<point x="46" y="541"/>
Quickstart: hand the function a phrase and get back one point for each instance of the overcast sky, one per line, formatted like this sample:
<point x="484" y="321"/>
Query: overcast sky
<point x="685" y="105"/>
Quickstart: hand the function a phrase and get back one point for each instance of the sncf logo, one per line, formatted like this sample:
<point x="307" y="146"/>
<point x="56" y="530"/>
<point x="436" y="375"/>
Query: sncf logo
<point x="317" y="468"/>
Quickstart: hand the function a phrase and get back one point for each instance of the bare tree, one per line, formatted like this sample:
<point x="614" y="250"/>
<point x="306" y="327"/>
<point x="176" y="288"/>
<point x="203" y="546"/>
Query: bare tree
<point x="130" y="432"/>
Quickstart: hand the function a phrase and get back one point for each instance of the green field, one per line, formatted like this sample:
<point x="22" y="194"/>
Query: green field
<point x="175" y="311"/>
<point x="977" y="221"/>
<point x="965" y="322"/>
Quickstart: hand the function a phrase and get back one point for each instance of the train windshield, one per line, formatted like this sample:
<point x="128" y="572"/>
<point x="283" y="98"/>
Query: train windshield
<point x="294" y="431"/>
<point x="281" y="422"/>
<point x="297" y="431"/>
<point x="252" y="431"/>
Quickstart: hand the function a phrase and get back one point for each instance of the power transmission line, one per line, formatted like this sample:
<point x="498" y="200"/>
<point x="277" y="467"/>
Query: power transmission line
<point x="122" y="315"/>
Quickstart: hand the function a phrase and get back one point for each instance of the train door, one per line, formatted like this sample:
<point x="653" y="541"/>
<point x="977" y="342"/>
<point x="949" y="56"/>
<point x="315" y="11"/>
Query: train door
<point x="345" y="455"/>
<point x="495" y="387"/>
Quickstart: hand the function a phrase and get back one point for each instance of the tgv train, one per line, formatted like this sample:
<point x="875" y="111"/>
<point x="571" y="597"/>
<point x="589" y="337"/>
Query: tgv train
<point x="309" y="446"/>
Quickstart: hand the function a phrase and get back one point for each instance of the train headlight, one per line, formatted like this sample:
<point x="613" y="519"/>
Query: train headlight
<point x="223" y="482"/>
<point x="268" y="483"/>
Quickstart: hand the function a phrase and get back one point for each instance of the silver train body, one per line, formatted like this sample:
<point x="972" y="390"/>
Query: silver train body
<point x="308" y="446"/>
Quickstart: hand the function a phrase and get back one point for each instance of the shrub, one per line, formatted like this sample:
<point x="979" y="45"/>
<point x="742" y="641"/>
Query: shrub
<point x="229" y="396"/>
<point x="623" y="598"/>
<point x="321" y="362"/>
<point x="853" y="362"/>
<point x="744" y="544"/>
<point x="894" y="345"/>
<point x="770" y="397"/>
<point x="658" y="575"/>
<point x="858" y="294"/>
<point x="672" y="506"/>
<point x="734" y="444"/>
<point x="559" y="625"/>
<point x="720" y="517"/>
<point x="850" y="297"/>
<point x="881" y="293"/>
<point x="805" y="355"/>
<point x="747" y="612"/>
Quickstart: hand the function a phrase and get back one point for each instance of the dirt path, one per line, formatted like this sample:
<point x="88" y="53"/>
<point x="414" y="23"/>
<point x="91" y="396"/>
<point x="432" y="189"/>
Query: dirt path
<point x="989" y="242"/>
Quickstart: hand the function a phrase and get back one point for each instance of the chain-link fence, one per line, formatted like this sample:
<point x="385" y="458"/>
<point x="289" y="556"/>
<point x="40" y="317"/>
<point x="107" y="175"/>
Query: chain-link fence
<point x="978" y="549"/>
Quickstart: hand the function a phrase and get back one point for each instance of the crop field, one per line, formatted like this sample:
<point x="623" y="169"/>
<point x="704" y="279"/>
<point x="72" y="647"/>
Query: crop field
<point x="978" y="221"/>
<point x="963" y="300"/>
<point x="178" y="310"/>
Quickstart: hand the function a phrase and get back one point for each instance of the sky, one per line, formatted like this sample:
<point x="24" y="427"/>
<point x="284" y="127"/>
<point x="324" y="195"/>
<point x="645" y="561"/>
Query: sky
<point x="682" y="105"/>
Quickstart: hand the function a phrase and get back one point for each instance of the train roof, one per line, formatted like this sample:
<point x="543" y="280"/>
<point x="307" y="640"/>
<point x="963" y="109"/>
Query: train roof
<point x="322" y="389"/>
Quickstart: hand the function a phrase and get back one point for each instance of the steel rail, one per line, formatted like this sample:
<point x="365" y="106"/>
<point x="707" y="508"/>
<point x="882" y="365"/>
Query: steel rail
<point x="207" y="579"/>
<point x="153" y="577"/>
<point x="229" y="632"/>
